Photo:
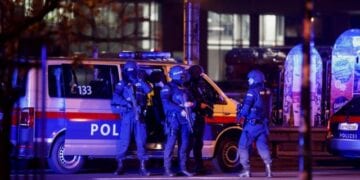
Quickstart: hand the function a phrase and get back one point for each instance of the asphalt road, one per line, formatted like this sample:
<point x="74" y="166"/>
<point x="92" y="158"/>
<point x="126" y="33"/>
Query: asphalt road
<point x="342" y="174"/>
<point x="326" y="168"/>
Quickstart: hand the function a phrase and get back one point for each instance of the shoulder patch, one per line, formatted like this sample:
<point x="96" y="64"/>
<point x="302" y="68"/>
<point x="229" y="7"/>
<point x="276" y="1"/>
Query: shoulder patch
<point x="249" y="94"/>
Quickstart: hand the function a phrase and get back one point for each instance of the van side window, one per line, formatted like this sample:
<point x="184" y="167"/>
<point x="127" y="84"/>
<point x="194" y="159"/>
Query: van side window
<point x="19" y="80"/>
<point x="210" y="94"/>
<point x="84" y="81"/>
<point x="55" y="81"/>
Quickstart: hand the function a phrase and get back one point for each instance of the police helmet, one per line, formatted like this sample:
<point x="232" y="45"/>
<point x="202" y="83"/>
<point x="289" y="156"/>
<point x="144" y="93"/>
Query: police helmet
<point x="257" y="75"/>
<point x="130" y="66"/>
<point x="195" y="71"/>
<point x="177" y="72"/>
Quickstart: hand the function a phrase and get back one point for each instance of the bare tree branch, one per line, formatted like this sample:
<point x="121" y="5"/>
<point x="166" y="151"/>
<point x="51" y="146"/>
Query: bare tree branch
<point x="15" y="30"/>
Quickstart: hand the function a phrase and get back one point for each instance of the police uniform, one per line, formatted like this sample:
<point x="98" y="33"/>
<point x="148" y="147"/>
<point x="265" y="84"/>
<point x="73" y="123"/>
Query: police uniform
<point x="179" y="119"/>
<point x="129" y="100"/>
<point x="202" y="96"/>
<point x="255" y="124"/>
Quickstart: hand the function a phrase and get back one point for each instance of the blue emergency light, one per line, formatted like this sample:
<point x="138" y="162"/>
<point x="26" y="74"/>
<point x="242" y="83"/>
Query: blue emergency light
<point x="144" y="55"/>
<point x="127" y="55"/>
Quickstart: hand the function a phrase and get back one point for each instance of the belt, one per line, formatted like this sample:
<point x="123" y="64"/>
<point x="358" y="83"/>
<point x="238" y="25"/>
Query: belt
<point x="254" y="121"/>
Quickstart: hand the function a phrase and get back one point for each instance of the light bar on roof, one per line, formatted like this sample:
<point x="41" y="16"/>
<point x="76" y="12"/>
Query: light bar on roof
<point x="127" y="55"/>
<point x="155" y="55"/>
<point x="145" y="55"/>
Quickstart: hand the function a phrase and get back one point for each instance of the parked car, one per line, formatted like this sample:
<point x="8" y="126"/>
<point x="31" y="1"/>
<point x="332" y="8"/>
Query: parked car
<point x="343" y="138"/>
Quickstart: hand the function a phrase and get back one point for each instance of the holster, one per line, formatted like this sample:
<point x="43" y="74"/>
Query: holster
<point x="142" y="114"/>
<point x="254" y="121"/>
<point x="117" y="108"/>
<point x="171" y="124"/>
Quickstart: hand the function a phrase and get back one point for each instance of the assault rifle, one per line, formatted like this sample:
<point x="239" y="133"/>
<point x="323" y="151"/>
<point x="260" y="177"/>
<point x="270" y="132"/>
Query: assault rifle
<point x="135" y="107"/>
<point x="189" y="116"/>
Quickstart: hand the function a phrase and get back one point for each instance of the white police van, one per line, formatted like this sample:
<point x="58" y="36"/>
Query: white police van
<point x="64" y="113"/>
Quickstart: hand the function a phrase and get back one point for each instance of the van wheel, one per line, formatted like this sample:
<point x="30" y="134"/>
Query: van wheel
<point x="61" y="163"/>
<point x="227" y="158"/>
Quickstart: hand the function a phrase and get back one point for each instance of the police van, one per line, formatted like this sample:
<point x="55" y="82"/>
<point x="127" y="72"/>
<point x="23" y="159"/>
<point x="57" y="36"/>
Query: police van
<point x="64" y="113"/>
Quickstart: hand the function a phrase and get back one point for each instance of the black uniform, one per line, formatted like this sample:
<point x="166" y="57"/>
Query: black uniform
<point x="204" y="107"/>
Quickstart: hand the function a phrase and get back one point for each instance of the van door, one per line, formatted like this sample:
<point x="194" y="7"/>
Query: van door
<point x="92" y="128"/>
<point x="155" y="116"/>
<point x="224" y="107"/>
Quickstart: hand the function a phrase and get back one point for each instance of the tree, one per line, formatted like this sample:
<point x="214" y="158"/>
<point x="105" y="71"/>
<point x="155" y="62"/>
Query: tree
<point x="26" y="25"/>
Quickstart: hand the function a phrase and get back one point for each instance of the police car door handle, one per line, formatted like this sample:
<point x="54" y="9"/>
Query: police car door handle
<point x="227" y="113"/>
<point x="62" y="109"/>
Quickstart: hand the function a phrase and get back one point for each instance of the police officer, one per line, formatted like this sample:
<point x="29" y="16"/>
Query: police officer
<point x="177" y="103"/>
<point x="130" y="99"/>
<point x="252" y="115"/>
<point x="204" y="107"/>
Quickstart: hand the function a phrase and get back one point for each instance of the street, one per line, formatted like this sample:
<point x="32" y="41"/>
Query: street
<point x="317" y="174"/>
<point x="283" y="168"/>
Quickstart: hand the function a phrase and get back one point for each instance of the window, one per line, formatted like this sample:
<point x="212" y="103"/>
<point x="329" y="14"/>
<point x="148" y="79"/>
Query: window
<point x="228" y="30"/>
<point x="125" y="26"/>
<point x="271" y="30"/>
<point x="225" y="31"/>
<point x="209" y="93"/>
<point x="84" y="81"/>
<point x="350" y="109"/>
<point x="19" y="80"/>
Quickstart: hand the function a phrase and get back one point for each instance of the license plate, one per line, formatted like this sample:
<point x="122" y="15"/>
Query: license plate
<point x="348" y="126"/>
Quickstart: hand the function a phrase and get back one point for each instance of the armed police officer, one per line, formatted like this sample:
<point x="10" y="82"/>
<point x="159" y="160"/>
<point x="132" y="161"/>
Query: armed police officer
<point x="204" y="108"/>
<point x="252" y="115"/>
<point x="130" y="99"/>
<point x="177" y="102"/>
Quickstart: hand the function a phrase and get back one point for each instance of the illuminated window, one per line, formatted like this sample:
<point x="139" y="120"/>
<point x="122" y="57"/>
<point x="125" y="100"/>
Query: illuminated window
<point x="271" y="30"/>
<point x="227" y="30"/>
<point x="127" y="26"/>
<point x="28" y="8"/>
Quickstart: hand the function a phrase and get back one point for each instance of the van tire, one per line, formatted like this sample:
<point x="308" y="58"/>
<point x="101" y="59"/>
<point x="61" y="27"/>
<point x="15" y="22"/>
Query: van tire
<point x="64" y="164"/>
<point x="226" y="158"/>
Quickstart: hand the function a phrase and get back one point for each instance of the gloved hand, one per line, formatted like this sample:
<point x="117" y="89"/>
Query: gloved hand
<point x="203" y="105"/>
<point x="183" y="113"/>
<point x="188" y="104"/>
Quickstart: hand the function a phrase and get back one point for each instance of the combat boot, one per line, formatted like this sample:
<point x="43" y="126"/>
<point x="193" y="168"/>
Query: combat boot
<point x="268" y="170"/>
<point x="184" y="170"/>
<point x="186" y="173"/>
<point x="143" y="171"/>
<point x="245" y="173"/>
<point x="168" y="172"/>
<point x="202" y="171"/>
<point x="120" y="169"/>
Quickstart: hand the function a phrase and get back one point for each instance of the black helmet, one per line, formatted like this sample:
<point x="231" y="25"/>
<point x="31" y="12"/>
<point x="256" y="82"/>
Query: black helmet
<point x="195" y="71"/>
<point x="178" y="74"/>
<point x="130" y="66"/>
<point x="257" y="75"/>
<point x="130" y="71"/>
